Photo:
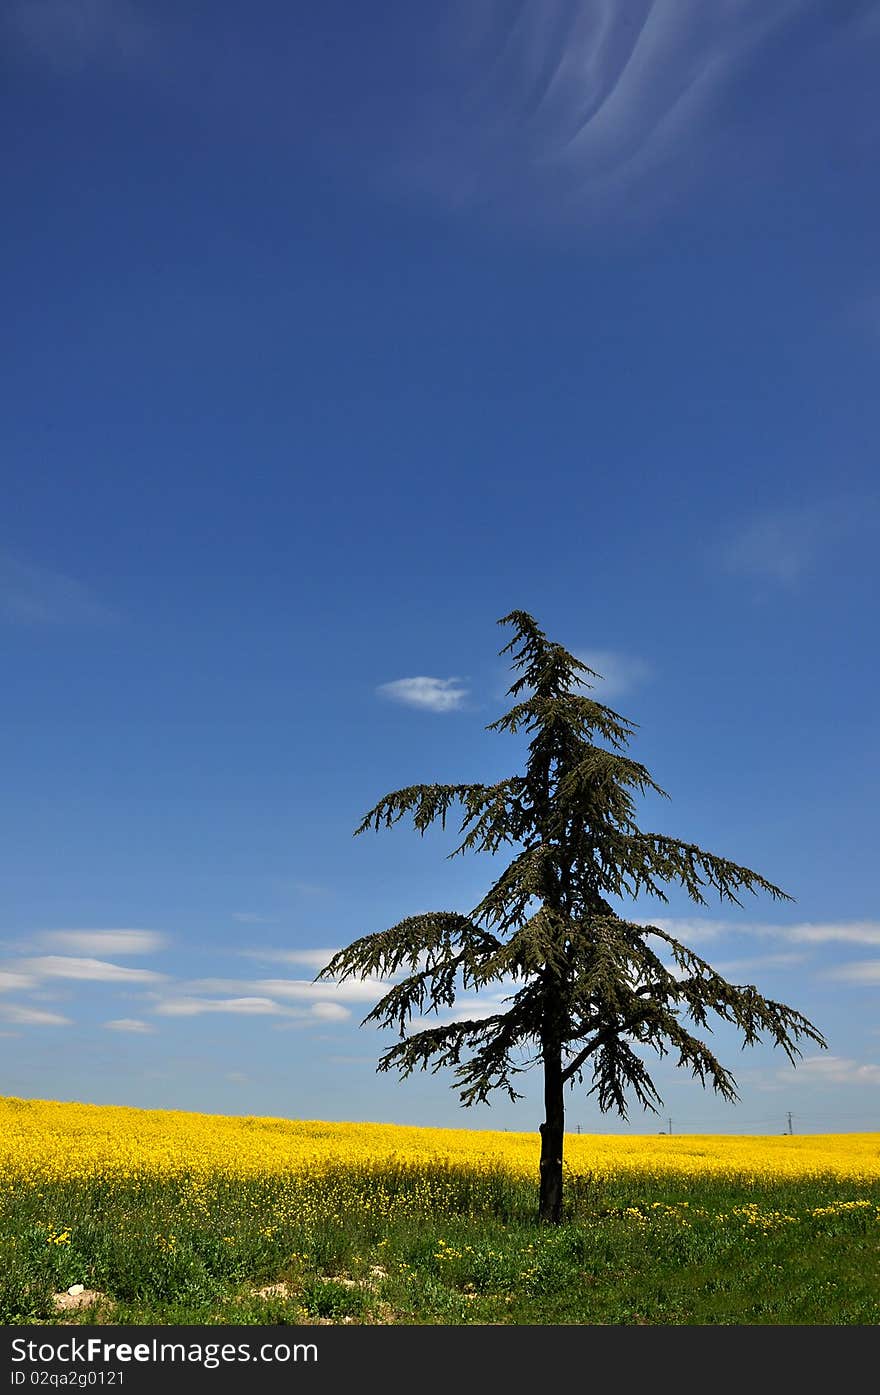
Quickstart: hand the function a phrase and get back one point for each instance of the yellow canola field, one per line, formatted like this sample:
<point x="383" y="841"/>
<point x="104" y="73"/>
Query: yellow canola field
<point x="54" y="1140"/>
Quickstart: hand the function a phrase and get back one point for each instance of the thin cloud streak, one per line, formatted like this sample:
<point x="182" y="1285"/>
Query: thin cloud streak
<point x="619" y="673"/>
<point x="252" y="1006"/>
<point x="832" y="1070"/>
<point x="760" y="962"/>
<point x="314" y="958"/>
<point x="427" y="694"/>
<point x="38" y="596"/>
<point x="571" y="107"/>
<point x="857" y="932"/>
<point x="10" y="980"/>
<point x="690" y="930"/>
<point x="466" y="1009"/>
<point x="352" y="990"/>
<point x="32" y="1017"/>
<point x="330" y="1012"/>
<point x="695" y="931"/>
<point x="74" y="34"/>
<point x="92" y="970"/>
<point x="614" y="673"/>
<point x="863" y="972"/>
<point x="99" y="942"/>
<point x="195" y="1007"/>
<point x="784" y="544"/>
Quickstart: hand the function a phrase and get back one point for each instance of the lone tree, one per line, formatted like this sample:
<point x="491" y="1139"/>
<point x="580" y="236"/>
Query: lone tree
<point x="592" y="990"/>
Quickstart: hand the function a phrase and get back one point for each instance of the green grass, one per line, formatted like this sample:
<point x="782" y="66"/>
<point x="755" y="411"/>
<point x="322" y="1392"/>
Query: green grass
<point x="443" y="1246"/>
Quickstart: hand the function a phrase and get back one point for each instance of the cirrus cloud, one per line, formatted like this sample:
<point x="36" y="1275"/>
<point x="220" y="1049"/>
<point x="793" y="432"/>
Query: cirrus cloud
<point x="100" y="942"/>
<point x="32" y="1017"/>
<point x="196" y="1007"/>
<point x="428" y="694"/>
<point x="92" y="970"/>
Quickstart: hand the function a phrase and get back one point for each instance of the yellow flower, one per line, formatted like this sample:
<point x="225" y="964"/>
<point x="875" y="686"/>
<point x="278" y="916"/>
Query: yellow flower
<point x="45" y="1141"/>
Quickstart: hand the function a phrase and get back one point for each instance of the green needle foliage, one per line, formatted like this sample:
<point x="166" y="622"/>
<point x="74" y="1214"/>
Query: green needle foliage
<point x="593" y="993"/>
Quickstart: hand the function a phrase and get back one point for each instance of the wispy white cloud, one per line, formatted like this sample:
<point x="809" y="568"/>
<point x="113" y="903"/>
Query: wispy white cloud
<point x="75" y="33"/>
<point x="286" y="885"/>
<point x="196" y="1007"/>
<point x="695" y="930"/>
<point x="562" y="107"/>
<point x="39" y="596"/>
<point x="429" y="694"/>
<point x="785" y="543"/>
<point x="731" y="968"/>
<point x="330" y="1012"/>
<point x="577" y="104"/>
<point x="237" y="1077"/>
<point x="619" y="673"/>
<point x="32" y="1017"/>
<point x="468" y="1008"/>
<point x="105" y="941"/>
<point x="300" y="999"/>
<point x="250" y="918"/>
<point x="832" y="1070"/>
<point x="614" y="673"/>
<point x="856" y="932"/>
<point x="10" y="980"/>
<point x="690" y="930"/>
<point x="320" y="1010"/>
<point x="129" y="1024"/>
<point x="314" y="958"/>
<point x="355" y="990"/>
<point x="93" y="970"/>
<point x="864" y="972"/>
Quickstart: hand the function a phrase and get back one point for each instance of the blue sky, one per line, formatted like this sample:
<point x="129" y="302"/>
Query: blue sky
<point x="334" y="334"/>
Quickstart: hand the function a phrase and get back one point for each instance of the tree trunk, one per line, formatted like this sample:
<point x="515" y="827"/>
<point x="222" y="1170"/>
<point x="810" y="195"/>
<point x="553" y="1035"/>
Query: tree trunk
<point x="552" y="1137"/>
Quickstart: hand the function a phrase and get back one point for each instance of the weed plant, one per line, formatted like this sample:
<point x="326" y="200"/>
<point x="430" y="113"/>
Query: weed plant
<point x="442" y="1244"/>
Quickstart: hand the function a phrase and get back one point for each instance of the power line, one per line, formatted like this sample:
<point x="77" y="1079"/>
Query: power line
<point x="815" y="1123"/>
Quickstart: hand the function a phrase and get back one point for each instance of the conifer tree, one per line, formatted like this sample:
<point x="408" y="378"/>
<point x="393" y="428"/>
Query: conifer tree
<point x="591" y="991"/>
